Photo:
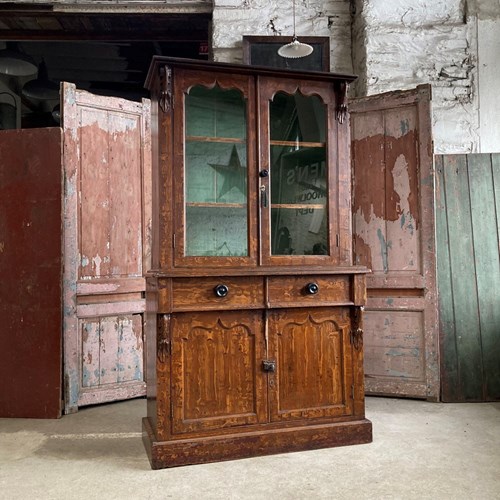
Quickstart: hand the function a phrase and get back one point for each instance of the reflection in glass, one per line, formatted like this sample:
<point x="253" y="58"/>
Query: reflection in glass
<point x="215" y="173"/>
<point x="299" y="215"/>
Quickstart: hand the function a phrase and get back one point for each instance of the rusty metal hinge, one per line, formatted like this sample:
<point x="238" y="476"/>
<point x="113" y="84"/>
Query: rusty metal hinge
<point x="352" y="391"/>
<point x="173" y="240"/>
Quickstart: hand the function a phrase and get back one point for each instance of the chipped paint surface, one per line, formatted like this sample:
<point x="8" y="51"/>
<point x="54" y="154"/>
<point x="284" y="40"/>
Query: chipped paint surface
<point x="386" y="215"/>
<point x="394" y="236"/>
<point x="395" y="348"/>
<point x="107" y="164"/>
<point x="112" y="350"/>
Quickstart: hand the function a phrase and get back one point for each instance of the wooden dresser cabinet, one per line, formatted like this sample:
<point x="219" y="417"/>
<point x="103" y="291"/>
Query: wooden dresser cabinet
<point x="254" y="309"/>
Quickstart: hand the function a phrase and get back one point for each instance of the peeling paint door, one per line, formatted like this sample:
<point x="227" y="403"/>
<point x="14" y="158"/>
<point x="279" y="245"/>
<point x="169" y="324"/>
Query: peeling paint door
<point x="393" y="218"/>
<point x="107" y="225"/>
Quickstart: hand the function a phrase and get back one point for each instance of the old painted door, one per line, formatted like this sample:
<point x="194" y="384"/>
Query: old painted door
<point x="468" y="228"/>
<point x="393" y="218"/>
<point x="30" y="273"/>
<point x="107" y="222"/>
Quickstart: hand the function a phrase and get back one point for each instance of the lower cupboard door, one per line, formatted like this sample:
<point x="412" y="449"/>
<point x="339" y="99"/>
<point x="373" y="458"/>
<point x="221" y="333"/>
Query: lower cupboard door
<point x="217" y="380"/>
<point x="313" y="376"/>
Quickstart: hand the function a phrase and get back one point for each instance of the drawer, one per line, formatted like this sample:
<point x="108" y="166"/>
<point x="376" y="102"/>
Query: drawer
<point x="196" y="294"/>
<point x="300" y="291"/>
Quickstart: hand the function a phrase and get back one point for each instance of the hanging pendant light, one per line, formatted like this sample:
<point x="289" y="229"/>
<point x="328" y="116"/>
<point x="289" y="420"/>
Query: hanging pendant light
<point x="16" y="63"/>
<point x="41" y="88"/>
<point x="295" y="49"/>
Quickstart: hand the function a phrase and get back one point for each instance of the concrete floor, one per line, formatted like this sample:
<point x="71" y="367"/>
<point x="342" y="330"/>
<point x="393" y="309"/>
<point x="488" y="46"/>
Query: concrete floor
<point x="420" y="451"/>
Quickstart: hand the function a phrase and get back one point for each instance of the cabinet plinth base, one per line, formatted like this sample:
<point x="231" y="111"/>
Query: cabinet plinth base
<point x="165" y="454"/>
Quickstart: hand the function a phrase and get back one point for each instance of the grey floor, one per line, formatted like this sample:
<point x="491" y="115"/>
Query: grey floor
<point x="420" y="451"/>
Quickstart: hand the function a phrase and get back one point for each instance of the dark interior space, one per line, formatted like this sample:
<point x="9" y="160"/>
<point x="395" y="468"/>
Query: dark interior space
<point x="102" y="53"/>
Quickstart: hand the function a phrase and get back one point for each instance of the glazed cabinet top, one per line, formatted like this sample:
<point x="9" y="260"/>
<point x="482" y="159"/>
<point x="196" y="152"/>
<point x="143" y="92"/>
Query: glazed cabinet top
<point x="252" y="167"/>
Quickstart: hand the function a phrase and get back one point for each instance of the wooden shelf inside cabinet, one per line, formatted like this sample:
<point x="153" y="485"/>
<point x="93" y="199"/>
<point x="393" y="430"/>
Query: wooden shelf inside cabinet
<point x="226" y="140"/>
<point x="209" y="204"/>
<point x="254" y="327"/>
<point x="298" y="144"/>
<point x="298" y="206"/>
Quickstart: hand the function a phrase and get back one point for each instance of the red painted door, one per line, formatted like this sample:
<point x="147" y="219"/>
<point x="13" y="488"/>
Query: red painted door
<point x="107" y="227"/>
<point x="393" y="218"/>
<point x="30" y="273"/>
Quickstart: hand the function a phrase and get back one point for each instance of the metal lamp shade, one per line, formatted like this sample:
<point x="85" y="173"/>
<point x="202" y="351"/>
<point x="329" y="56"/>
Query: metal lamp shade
<point x="43" y="90"/>
<point x="15" y="63"/>
<point x="295" y="49"/>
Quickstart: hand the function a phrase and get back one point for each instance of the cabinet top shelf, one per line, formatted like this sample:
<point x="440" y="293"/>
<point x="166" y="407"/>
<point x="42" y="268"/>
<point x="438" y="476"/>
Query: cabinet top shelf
<point x="241" y="69"/>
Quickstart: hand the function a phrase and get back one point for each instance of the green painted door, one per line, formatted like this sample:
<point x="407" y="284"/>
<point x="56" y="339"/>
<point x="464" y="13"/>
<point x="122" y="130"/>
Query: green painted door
<point x="468" y="227"/>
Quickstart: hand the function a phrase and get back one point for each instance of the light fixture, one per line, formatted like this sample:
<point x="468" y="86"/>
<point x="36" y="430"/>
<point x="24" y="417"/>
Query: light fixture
<point x="41" y="88"/>
<point x="15" y="63"/>
<point x="295" y="49"/>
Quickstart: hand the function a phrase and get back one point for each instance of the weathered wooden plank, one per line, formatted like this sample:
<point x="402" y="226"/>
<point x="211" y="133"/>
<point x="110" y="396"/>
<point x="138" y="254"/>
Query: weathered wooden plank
<point x="463" y="279"/>
<point x="130" y="350"/>
<point x="94" y="212"/>
<point x="495" y="170"/>
<point x="394" y="344"/>
<point x="90" y="353"/>
<point x="110" y="331"/>
<point x="402" y="212"/>
<point x="110" y="308"/>
<point x="368" y="149"/>
<point x="111" y="286"/>
<point x="487" y="266"/>
<point x="449" y="357"/>
<point x="112" y="392"/>
<point x="491" y="345"/>
<point x="125" y="224"/>
<point x="71" y="247"/>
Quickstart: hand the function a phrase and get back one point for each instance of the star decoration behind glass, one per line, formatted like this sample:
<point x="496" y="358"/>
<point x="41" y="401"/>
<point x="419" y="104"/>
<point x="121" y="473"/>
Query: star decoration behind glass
<point x="235" y="175"/>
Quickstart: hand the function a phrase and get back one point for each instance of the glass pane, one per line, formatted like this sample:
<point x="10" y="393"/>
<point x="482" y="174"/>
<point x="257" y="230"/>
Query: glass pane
<point x="216" y="173"/>
<point x="299" y="214"/>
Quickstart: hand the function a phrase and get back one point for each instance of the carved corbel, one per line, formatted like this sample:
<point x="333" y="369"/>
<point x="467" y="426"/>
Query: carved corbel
<point x="341" y="91"/>
<point x="165" y="101"/>
<point x="357" y="328"/>
<point x="163" y="345"/>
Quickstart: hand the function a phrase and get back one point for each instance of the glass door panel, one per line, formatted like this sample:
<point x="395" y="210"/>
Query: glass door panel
<point x="216" y="193"/>
<point x="299" y="177"/>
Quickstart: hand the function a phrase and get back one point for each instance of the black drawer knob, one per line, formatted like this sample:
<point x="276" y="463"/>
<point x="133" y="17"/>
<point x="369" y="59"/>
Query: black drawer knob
<point x="264" y="173"/>
<point x="221" y="290"/>
<point x="312" y="288"/>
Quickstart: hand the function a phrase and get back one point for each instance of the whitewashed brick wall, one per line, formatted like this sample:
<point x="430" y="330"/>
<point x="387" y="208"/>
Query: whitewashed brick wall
<point x="402" y="43"/>
<point x="390" y="45"/>
<point x="396" y="44"/>
<point x="234" y="18"/>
